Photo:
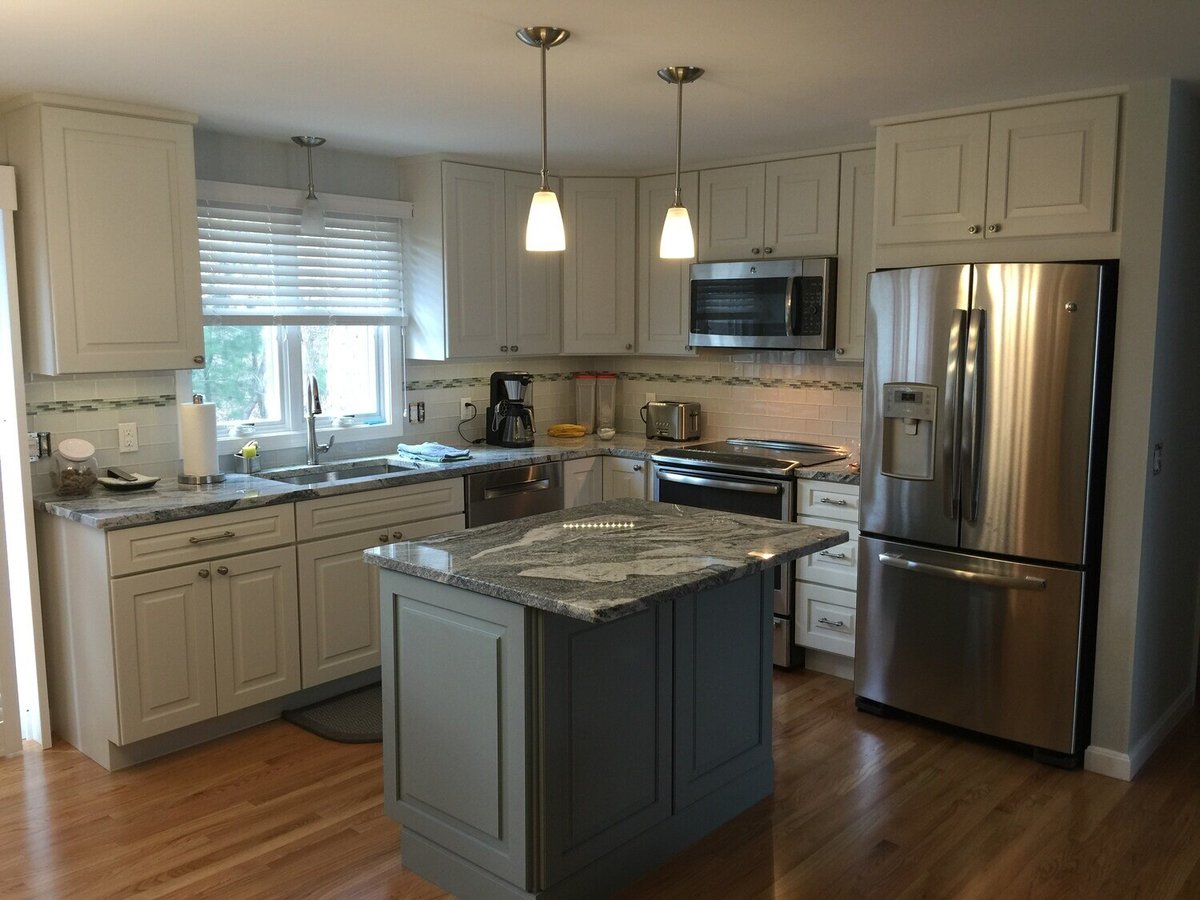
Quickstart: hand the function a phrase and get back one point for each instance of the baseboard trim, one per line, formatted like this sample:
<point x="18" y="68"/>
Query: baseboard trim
<point x="829" y="663"/>
<point x="1125" y="766"/>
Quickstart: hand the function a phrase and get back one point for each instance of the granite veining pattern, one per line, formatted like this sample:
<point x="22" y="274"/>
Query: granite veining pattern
<point x="169" y="501"/>
<point x="605" y="560"/>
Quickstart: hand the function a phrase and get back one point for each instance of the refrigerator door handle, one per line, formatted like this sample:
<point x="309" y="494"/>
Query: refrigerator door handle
<point x="1012" y="582"/>
<point x="973" y="414"/>
<point x="952" y="444"/>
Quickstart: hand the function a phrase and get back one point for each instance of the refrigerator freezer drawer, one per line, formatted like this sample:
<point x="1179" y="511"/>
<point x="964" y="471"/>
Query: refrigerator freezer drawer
<point x="985" y="645"/>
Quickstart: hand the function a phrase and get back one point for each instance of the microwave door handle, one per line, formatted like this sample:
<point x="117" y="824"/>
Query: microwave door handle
<point x="973" y="414"/>
<point x="952" y="442"/>
<point x="789" y="291"/>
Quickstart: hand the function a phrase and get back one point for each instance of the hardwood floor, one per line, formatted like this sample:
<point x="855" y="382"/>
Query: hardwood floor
<point x="863" y="807"/>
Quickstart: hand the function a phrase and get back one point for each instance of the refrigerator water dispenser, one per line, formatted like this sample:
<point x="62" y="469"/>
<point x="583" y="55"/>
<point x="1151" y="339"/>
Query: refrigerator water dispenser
<point x="909" y="426"/>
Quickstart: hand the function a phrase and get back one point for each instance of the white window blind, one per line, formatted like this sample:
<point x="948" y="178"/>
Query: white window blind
<point x="258" y="267"/>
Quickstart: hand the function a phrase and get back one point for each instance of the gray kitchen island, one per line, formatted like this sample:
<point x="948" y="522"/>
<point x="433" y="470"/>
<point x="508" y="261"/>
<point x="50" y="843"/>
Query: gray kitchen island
<point x="572" y="698"/>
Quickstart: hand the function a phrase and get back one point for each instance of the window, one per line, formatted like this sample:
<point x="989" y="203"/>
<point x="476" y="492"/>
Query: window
<point x="282" y="302"/>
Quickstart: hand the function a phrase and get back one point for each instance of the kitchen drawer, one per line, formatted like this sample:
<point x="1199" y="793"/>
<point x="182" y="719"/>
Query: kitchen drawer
<point x="827" y="499"/>
<point x="825" y="618"/>
<point x="383" y="508"/>
<point x="836" y="566"/>
<point x="196" y="540"/>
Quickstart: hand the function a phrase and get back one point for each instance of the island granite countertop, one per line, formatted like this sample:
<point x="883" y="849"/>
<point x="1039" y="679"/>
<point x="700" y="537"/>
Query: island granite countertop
<point x="169" y="501"/>
<point x="605" y="560"/>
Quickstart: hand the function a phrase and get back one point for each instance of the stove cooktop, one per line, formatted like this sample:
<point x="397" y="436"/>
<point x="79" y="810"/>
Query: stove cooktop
<point x="778" y="458"/>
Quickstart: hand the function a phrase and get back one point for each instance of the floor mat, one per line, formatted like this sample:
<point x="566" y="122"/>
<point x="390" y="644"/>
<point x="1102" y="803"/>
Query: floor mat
<point x="353" y="718"/>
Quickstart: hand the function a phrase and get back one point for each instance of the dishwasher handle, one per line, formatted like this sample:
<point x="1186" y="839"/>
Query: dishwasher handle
<point x="523" y="487"/>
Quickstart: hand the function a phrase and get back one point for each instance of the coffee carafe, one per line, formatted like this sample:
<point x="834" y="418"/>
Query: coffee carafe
<point x="509" y="413"/>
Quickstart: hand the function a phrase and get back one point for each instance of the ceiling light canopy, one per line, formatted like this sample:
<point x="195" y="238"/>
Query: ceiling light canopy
<point x="544" y="229"/>
<point x="677" y="240"/>
<point x="312" y="215"/>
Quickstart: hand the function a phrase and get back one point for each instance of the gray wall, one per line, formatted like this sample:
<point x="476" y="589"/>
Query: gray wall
<point x="247" y="160"/>
<point x="1164" y="662"/>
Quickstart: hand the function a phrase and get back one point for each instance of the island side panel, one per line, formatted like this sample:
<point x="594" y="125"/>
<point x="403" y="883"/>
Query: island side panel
<point x="455" y="700"/>
<point x="722" y="687"/>
<point x="605" y="734"/>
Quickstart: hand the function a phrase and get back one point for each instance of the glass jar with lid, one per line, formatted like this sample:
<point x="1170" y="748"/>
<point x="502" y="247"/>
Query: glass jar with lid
<point x="75" y="467"/>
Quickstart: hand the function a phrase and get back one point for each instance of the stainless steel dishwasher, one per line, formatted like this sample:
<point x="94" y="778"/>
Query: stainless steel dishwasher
<point x="512" y="493"/>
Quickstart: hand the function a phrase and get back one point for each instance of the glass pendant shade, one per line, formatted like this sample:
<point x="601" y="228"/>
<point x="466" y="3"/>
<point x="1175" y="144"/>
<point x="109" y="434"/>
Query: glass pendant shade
<point x="677" y="241"/>
<point x="544" y="230"/>
<point x="312" y="218"/>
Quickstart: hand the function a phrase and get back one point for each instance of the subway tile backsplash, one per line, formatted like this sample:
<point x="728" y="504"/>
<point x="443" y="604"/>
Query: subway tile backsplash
<point x="763" y="394"/>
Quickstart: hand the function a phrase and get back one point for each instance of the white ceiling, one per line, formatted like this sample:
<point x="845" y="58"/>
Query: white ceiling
<point x="402" y="77"/>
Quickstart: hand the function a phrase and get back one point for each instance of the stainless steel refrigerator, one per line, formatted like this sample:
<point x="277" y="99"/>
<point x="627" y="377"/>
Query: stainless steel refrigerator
<point x="985" y="419"/>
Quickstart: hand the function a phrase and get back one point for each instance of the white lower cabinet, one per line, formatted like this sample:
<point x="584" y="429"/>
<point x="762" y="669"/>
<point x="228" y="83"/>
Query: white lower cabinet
<point x="625" y="478"/>
<point x="827" y="581"/>
<point x="583" y="481"/>
<point x="203" y="639"/>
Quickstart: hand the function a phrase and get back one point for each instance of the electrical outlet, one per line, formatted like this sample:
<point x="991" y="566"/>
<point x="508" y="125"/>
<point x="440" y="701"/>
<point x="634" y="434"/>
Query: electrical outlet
<point x="127" y="437"/>
<point x="466" y="409"/>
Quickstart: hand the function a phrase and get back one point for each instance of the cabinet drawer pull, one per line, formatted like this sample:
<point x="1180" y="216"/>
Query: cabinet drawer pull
<point x="838" y="624"/>
<point x="832" y="502"/>
<point x="203" y="573"/>
<point x="397" y="535"/>
<point x="223" y="536"/>
<point x="222" y="570"/>
<point x="834" y="555"/>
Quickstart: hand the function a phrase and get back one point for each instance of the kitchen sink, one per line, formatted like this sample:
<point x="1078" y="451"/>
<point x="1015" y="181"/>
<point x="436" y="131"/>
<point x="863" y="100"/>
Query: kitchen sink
<point x="346" y="473"/>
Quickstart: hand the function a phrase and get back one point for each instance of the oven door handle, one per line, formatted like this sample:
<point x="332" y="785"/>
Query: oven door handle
<point x="741" y="486"/>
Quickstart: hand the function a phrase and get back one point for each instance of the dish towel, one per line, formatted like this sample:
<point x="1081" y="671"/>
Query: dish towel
<point x="431" y="451"/>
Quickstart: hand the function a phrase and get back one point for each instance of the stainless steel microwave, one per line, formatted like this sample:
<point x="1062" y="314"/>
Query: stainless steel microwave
<point x="782" y="304"/>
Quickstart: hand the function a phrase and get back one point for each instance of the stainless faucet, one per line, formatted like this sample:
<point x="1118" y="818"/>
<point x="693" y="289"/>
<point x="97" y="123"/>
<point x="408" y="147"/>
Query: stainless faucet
<point x="313" y="396"/>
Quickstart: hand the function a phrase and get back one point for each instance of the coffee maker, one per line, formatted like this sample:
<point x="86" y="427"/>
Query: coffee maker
<point x="509" y="413"/>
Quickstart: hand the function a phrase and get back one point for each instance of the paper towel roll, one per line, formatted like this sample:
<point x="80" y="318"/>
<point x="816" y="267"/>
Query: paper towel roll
<point x="198" y="438"/>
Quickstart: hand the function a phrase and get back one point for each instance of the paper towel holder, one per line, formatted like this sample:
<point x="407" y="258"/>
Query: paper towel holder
<point x="200" y="479"/>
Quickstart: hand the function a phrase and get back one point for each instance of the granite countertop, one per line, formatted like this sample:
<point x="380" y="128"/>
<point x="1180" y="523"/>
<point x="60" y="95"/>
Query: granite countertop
<point x="168" y="500"/>
<point x="625" y="555"/>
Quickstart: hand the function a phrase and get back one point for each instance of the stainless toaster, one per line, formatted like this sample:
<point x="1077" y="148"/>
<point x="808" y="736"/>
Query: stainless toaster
<point x="672" y="420"/>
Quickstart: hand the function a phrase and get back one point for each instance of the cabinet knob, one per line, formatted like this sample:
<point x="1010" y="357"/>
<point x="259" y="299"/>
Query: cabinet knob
<point x="198" y="360"/>
<point x="514" y="348"/>
<point x="755" y="252"/>
<point x="629" y="346"/>
<point x="397" y="535"/>
<point x="203" y="573"/>
<point x="222" y="570"/>
<point x="383" y="538"/>
<point x="504" y="349"/>
<point x="841" y="351"/>
<point x="974" y="229"/>
<point x="637" y="468"/>
<point x="768" y="250"/>
<point x="993" y="228"/>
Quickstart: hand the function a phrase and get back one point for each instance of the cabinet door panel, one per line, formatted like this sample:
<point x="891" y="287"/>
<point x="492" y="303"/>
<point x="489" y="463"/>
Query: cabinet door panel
<point x="932" y="180"/>
<point x="163" y="649"/>
<point x="120" y="199"/>
<point x="473" y="224"/>
<point x="731" y="212"/>
<point x="801" y="206"/>
<point x="624" y="478"/>
<point x="856" y="251"/>
<point x="664" y="286"/>
<point x="256" y="628"/>
<point x="598" y="271"/>
<point x="583" y="481"/>
<point x="534" y="279"/>
<point x="1052" y="168"/>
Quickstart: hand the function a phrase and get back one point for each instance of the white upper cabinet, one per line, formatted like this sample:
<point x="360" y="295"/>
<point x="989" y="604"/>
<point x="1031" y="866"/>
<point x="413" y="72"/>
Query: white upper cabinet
<point x="664" y="285"/>
<point x="108" y="244"/>
<point x="599" y="268"/>
<point x="856" y="251"/>
<point x="471" y="287"/>
<point x="1025" y="172"/>
<point x="782" y="208"/>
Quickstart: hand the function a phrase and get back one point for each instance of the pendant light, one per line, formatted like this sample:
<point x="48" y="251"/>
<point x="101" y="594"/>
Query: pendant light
<point x="312" y="215"/>
<point x="677" y="241"/>
<point x="544" y="230"/>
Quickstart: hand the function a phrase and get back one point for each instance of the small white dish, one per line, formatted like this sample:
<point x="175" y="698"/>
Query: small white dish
<point x="120" y="484"/>
<point x="606" y="434"/>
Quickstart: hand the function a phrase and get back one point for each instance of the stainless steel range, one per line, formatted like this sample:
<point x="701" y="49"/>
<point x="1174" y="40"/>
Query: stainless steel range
<point x="752" y="477"/>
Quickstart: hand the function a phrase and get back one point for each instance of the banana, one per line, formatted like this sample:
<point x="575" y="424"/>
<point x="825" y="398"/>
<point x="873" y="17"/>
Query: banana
<point x="566" y="431"/>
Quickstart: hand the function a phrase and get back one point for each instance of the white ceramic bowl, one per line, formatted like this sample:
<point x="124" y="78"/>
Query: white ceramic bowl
<point x="605" y="434"/>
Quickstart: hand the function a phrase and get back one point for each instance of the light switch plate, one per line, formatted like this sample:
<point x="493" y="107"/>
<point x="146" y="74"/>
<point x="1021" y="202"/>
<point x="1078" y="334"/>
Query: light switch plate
<point x="127" y="437"/>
